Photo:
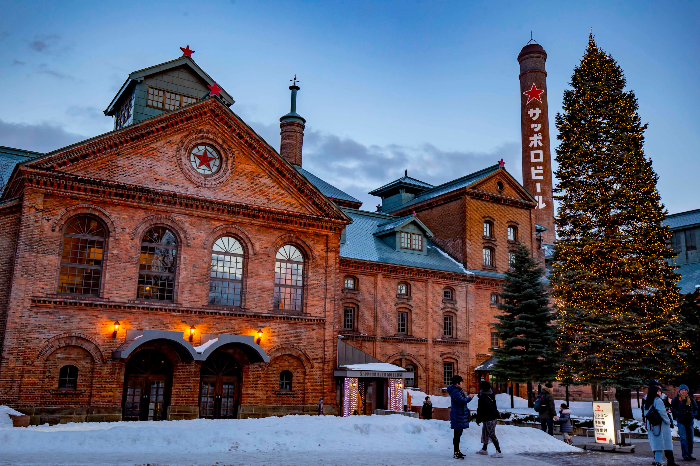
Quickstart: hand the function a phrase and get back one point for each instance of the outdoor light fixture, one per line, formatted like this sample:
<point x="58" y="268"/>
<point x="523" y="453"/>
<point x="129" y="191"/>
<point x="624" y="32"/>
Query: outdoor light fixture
<point x="191" y="333"/>
<point x="259" y="337"/>
<point x="116" y="327"/>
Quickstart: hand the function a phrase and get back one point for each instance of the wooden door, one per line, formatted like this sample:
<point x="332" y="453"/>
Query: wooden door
<point x="146" y="387"/>
<point x="219" y="387"/>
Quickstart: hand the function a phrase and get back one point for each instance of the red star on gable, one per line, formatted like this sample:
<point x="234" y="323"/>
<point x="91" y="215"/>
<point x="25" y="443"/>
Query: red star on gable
<point x="501" y="163"/>
<point x="204" y="159"/>
<point x="533" y="93"/>
<point x="215" y="89"/>
<point x="186" y="52"/>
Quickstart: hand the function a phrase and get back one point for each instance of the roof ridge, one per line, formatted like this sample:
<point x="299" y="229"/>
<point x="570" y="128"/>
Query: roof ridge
<point x="683" y="213"/>
<point x="462" y="178"/>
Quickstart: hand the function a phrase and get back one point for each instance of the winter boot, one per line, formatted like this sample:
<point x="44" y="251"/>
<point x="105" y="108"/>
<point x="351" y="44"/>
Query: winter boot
<point x="669" y="458"/>
<point x="458" y="456"/>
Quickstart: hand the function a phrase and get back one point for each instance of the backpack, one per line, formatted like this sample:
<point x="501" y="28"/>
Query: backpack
<point x="540" y="405"/>
<point x="653" y="416"/>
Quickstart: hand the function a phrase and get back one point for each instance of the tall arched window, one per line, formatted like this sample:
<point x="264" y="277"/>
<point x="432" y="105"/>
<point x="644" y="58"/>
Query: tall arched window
<point x="82" y="257"/>
<point x="285" y="380"/>
<point x="488" y="257"/>
<point x="226" y="281"/>
<point x="488" y="229"/>
<point x="157" y="265"/>
<point x="448" y="327"/>
<point x="68" y="378"/>
<point x="410" y="381"/>
<point x="289" y="279"/>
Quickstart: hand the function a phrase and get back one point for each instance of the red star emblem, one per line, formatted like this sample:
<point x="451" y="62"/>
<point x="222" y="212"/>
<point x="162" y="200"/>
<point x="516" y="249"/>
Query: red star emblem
<point x="215" y="89"/>
<point x="204" y="159"/>
<point x="186" y="52"/>
<point x="533" y="93"/>
<point x="501" y="163"/>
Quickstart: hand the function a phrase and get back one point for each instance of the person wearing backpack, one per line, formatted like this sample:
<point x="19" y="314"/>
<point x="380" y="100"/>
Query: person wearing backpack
<point x="459" y="412"/>
<point x="658" y="425"/>
<point x="544" y="405"/>
<point x="685" y="409"/>
<point x="487" y="412"/>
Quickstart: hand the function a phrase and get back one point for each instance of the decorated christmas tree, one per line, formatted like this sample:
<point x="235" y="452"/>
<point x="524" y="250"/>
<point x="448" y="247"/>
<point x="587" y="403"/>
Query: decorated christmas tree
<point x="528" y="351"/>
<point x="614" y="289"/>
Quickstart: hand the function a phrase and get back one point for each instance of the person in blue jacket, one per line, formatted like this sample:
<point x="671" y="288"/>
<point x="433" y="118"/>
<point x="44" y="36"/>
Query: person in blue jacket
<point x="659" y="436"/>
<point x="459" y="413"/>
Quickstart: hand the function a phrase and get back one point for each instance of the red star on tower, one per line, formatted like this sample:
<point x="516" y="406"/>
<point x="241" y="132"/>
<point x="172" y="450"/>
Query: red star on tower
<point x="533" y="93"/>
<point x="501" y="163"/>
<point x="186" y="52"/>
<point x="204" y="159"/>
<point x="215" y="89"/>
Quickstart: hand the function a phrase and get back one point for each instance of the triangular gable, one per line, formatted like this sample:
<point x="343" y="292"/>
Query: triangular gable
<point x="400" y="223"/>
<point x="511" y="188"/>
<point x="88" y="153"/>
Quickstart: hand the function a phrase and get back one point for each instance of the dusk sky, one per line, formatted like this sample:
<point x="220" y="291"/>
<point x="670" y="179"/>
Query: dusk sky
<point x="431" y="87"/>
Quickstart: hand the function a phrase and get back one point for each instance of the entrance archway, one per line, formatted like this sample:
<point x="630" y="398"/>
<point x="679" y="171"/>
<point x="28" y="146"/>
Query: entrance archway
<point x="147" y="385"/>
<point x="219" y="386"/>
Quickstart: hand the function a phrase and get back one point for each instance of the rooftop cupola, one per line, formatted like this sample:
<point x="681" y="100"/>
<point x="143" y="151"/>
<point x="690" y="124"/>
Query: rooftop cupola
<point x="292" y="130"/>
<point x="399" y="192"/>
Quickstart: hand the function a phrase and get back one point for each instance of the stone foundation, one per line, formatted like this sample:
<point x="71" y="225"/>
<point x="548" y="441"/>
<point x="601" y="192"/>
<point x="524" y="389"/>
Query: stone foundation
<point x="251" y="411"/>
<point x="179" y="413"/>
<point x="65" y="414"/>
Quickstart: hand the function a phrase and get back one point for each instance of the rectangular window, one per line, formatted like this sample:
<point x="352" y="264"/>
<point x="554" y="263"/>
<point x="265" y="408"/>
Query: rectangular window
<point x="494" y="299"/>
<point x="411" y="241"/>
<point x="676" y="241"/>
<point x="488" y="229"/>
<point x="448" y="371"/>
<point x="403" y="323"/>
<point x="447" y="326"/>
<point x="167" y="100"/>
<point x="349" y="318"/>
<point x="488" y="257"/>
<point x="155" y="97"/>
<point x="349" y="283"/>
<point x="511" y="259"/>
<point x="405" y="240"/>
<point x="512" y="234"/>
<point x="495" y="340"/>
<point x="447" y="293"/>
<point x="690" y="244"/>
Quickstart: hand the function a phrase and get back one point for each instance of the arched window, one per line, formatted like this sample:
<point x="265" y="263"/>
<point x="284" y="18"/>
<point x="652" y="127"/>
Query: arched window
<point x="403" y="326"/>
<point x="157" y="265"/>
<point x="448" y="328"/>
<point x="226" y="280"/>
<point x="349" y="318"/>
<point x="512" y="233"/>
<point x="448" y="294"/>
<point x="68" y="378"/>
<point x="404" y="289"/>
<point x="289" y="279"/>
<point x="488" y="257"/>
<point x="448" y="370"/>
<point x="488" y="229"/>
<point x="285" y="380"/>
<point x="410" y="381"/>
<point x="350" y="283"/>
<point x="82" y="257"/>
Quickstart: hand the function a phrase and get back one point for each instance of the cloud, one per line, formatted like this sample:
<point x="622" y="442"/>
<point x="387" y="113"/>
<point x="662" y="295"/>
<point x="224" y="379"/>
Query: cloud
<point x="44" y="69"/>
<point x="85" y="112"/>
<point x="44" y="42"/>
<point x="41" y="137"/>
<point x="16" y="62"/>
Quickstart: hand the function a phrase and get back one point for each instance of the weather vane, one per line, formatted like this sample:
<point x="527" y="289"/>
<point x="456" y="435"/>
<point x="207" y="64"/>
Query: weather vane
<point x="531" y="39"/>
<point x="294" y="81"/>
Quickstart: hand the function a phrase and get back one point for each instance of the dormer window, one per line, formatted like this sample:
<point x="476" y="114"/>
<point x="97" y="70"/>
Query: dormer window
<point x="412" y="241"/>
<point x="488" y="229"/>
<point x="166" y="100"/>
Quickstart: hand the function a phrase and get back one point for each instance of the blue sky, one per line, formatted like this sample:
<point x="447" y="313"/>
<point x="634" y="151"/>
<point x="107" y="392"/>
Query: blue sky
<point x="431" y="87"/>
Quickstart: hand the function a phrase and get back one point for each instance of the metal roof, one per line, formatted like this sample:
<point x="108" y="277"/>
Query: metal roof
<point x="690" y="277"/>
<point x="362" y="244"/>
<point x="403" y="181"/>
<point x="487" y="366"/>
<point x="400" y="223"/>
<point x="683" y="219"/>
<point x="450" y="186"/>
<point x="326" y="188"/>
<point x="9" y="158"/>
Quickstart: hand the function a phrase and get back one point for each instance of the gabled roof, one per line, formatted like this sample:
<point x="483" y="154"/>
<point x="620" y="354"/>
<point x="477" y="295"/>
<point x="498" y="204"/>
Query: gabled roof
<point x="680" y="220"/>
<point x="487" y="366"/>
<point x="137" y="76"/>
<point x="459" y="183"/>
<point x="403" y="181"/>
<point x="397" y="224"/>
<point x="362" y="244"/>
<point x="9" y="159"/>
<point x="690" y="277"/>
<point x="326" y="188"/>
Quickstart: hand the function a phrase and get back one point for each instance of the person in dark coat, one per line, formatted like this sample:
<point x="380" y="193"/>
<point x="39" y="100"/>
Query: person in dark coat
<point x="459" y="412"/>
<point x="685" y="409"/>
<point x="547" y="415"/>
<point x="427" y="409"/>
<point x="487" y="412"/>
<point x="564" y="421"/>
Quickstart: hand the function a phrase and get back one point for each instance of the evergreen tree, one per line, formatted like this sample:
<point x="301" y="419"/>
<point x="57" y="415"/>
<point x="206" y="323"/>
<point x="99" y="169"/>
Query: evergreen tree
<point x="690" y="313"/>
<point x="528" y="351"/>
<point x="614" y="289"/>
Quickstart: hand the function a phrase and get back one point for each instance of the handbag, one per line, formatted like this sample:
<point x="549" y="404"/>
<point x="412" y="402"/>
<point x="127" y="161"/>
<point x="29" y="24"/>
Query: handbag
<point x="654" y="417"/>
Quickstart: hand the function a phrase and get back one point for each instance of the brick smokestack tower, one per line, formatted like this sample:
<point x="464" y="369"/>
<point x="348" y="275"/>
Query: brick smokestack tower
<point x="292" y="130"/>
<point x="534" y="124"/>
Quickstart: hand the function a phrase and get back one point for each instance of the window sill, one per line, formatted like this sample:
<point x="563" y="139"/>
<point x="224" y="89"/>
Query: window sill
<point x="159" y="302"/>
<point x="513" y="242"/>
<point x="449" y="301"/>
<point x="488" y="238"/>
<point x="490" y="268"/>
<point x="350" y="290"/>
<point x="62" y="391"/>
<point x="285" y="392"/>
<point x="404" y="297"/>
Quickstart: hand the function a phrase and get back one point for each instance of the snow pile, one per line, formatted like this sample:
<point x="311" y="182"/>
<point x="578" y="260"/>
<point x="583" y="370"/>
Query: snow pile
<point x="418" y="397"/>
<point x="5" y="419"/>
<point x="374" y="366"/>
<point x="319" y="434"/>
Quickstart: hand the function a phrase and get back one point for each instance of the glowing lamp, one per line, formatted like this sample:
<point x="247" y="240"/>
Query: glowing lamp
<point x="259" y="339"/>
<point x="116" y="327"/>
<point x="191" y="333"/>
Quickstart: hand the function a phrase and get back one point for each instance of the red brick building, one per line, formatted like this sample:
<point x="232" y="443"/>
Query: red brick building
<point x="179" y="267"/>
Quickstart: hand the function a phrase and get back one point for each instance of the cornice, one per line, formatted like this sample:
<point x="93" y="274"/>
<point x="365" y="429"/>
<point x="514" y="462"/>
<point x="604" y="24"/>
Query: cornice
<point x="405" y="339"/>
<point x="357" y="336"/>
<point x="80" y="303"/>
<point x="106" y="191"/>
<point x="439" y="341"/>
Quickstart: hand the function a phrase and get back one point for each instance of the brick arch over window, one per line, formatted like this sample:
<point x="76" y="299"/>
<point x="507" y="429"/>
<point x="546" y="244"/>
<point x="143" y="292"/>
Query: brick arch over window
<point x="85" y="209"/>
<point x="294" y="351"/>
<point x="231" y="230"/>
<point x="291" y="363"/>
<point x="414" y="359"/>
<point x="166" y="220"/>
<point x="80" y="340"/>
<point x="296" y="241"/>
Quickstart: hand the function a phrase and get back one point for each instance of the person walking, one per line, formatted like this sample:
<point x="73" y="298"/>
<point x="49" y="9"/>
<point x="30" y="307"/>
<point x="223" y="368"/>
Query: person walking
<point x="546" y="409"/>
<point x="459" y="412"/>
<point x="487" y="413"/>
<point x="564" y="421"/>
<point x="427" y="409"/>
<point x="658" y="425"/>
<point x="685" y="409"/>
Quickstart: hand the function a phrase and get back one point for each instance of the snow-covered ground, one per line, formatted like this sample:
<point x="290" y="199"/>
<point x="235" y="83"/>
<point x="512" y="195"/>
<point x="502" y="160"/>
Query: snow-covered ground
<point x="315" y="436"/>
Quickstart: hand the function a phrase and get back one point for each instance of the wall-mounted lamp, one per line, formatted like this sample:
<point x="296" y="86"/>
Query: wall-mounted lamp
<point x="259" y="337"/>
<point x="116" y="327"/>
<point x="191" y="333"/>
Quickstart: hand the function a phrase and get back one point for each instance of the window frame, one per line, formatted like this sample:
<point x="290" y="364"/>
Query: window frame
<point x="445" y="292"/>
<point x="488" y="229"/>
<point x="354" y="282"/>
<point x="511" y="260"/>
<point x="241" y="281"/>
<point x="145" y="244"/>
<point x="353" y="313"/>
<point x="448" y="316"/>
<point x="495" y="338"/>
<point x="691" y="240"/>
<point x="77" y="265"/>
<point x="447" y="379"/>
<point x="410" y="241"/>
<point x="415" y="373"/>
<point x="677" y="241"/>
<point x="491" y="254"/>
<point x="278" y="287"/>
<point x="408" y="289"/>
<point x="407" y="323"/>
<point x="164" y="99"/>
<point x="64" y="378"/>
<point x="494" y="299"/>
<point x="288" y="384"/>
<point x="514" y="230"/>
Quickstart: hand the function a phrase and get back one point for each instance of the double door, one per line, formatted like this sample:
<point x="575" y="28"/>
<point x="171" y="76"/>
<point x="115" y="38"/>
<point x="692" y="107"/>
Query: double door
<point x="145" y="398"/>
<point x="218" y="397"/>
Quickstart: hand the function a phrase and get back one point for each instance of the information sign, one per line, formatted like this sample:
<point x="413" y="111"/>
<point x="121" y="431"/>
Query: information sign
<point x="606" y="421"/>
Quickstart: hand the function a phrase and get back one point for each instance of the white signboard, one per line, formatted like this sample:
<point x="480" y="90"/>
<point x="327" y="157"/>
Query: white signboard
<point x="606" y="422"/>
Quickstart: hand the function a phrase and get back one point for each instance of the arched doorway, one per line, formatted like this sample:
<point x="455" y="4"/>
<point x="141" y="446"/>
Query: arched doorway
<point x="219" y="392"/>
<point x="147" y="384"/>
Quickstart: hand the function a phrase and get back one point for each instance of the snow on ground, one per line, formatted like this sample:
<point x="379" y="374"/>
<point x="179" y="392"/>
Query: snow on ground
<point x="5" y="419"/>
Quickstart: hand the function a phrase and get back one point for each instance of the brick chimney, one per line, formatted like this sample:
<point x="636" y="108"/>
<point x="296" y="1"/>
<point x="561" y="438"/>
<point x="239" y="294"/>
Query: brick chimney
<point x="292" y="130"/>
